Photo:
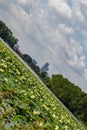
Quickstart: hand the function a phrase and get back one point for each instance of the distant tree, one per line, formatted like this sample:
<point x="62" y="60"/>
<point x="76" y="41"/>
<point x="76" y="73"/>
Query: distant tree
<point x="84" y="107"/>
<point x="27" y="58"/>
<point x="72" y="96"/>
<point x="35" y="68"/>
<point x="7" y="35"/>
<point x="43" y="75"/>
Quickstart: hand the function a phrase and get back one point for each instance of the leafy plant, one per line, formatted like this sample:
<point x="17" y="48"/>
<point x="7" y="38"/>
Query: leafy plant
<point x="25" y="104"/>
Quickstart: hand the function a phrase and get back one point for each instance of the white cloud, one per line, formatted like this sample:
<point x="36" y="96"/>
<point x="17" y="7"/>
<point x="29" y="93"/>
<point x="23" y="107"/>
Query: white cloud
<point x="85" y="73"/>
<point x="76" y="56"/>
<point x="22" y="1"/>
<point x="65" y="29"/>
<point x="45" y="31"/>
<point x="85" y="41"/>
<point x="79" y="13"/>
<point x="61" y="8"/>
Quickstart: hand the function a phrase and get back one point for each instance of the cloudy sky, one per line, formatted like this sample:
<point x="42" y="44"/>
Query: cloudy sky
<point x="53" y="31"/>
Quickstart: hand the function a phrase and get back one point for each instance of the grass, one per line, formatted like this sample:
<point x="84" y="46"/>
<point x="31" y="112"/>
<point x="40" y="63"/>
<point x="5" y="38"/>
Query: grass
<point x="25" y="104"/>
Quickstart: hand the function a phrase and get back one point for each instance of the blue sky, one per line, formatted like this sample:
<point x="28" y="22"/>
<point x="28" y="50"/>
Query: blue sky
<point x="69" y="2"/>
<point x="53" y="31"/>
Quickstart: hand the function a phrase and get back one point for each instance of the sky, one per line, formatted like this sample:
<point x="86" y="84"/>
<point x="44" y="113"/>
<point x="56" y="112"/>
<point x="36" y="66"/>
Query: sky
<point x="53" y="31"/>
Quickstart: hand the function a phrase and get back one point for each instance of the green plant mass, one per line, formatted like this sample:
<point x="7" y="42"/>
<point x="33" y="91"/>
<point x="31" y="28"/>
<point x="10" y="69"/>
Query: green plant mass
<point x="25" y="104"/>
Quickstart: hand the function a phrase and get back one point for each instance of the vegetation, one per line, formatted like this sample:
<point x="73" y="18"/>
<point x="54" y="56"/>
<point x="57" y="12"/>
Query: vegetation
<point x="72" y="96"/>
<point x="25" y="103"/>
<point x="7" y="35"/>
<point x="35" y="67"/>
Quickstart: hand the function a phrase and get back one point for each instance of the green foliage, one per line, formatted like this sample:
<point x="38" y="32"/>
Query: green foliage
<point x="70" y="95"/>
<point x="25" y="104"/>
<point x="43" y="75"/>
<point x="27" y="58"/>
<point x="6" y="34"/>
<point x="35" y="68"/>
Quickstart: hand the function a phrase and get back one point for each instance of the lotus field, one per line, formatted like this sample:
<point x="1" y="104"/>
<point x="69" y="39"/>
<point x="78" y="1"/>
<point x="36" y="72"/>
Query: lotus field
<point x="25" y="104"/>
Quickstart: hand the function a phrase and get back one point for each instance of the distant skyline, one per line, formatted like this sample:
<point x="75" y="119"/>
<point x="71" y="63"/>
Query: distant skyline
<point x="45" y="67"/>
<point x="53" y="31"/>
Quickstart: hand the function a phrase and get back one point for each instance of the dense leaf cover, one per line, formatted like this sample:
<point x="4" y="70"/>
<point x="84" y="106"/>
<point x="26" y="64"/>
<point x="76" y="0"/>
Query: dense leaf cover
<point x="70" y="94"/>
<point x="7" y="35"/>
<point x="25" y="103"/>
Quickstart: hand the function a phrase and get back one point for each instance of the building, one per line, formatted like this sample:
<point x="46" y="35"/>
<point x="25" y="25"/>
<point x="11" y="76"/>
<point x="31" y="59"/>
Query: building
<point x="45" y="68"/>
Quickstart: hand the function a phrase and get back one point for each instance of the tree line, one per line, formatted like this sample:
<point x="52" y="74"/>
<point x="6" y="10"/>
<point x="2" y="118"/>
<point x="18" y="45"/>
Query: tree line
<point x="34" y="66"/>
<point x="7" y="35"/>
<point x="71" y="95"/>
